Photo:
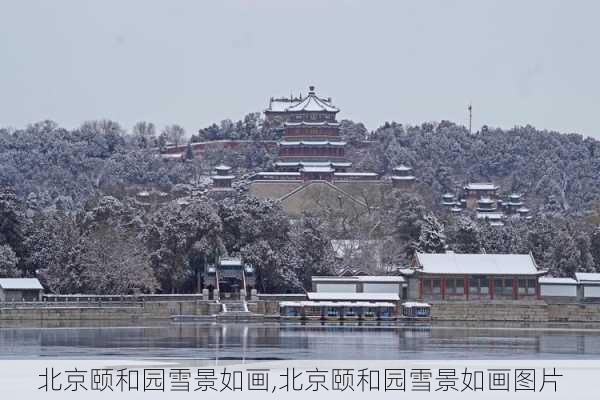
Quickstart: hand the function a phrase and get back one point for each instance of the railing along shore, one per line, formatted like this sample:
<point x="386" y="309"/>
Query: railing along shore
<point x="88" y="301"/>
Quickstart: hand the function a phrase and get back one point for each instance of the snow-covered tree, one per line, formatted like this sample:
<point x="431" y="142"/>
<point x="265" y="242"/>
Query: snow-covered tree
<point x="8" y="262"/>
<point x="312" y="249"/>
<point x="178" y="233"/>
<point x="144" y="133"/>
<point x="595" y="247"/>
<point x="432" y="238"/>
<point x="113" y="261"/>
<point x="12" y="224"/>
<point x="174" y="133"/>
<point x="466" y="236"/>
<point x="189" y="153"/>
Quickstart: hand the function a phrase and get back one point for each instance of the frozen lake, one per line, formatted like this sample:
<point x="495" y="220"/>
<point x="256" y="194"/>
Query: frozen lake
<point x="273" y="341"/>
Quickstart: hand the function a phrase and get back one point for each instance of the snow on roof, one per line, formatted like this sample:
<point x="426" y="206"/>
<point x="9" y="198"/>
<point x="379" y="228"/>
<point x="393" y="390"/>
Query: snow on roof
<point x="317" y="169"/>
<point x="410" y="304"/>
<point x="306" y="123"/>
<point x="478" y="264"/>
<point x="291" y="303"/>
<point x="278" y="173"/>
<point x="312" y="164"/>
<point x="281" y="104"/>
<point x="406" y="271"/>
<point x="315" y="164"/>
<point x="362" y="278"/>
<point x="230" y="262"/>
<point x="355" y="174"/>
<point x="490" y="215"/>
<point x="334" y="304"/>
<point x="20" y="284"/>
<point x="485" y="200"/>
<point x="523" y="210"/>
<point x="217" y="177"/>
<point x="403" y="178"/>
<point x="313" y="103"/>
<point x="402" y="168"/>
<point x="592" y="277"/>
<point x="556" y="281"/>
<point x="172" y="156"/>
<point x="349" y="296"/>
<point x="222" y="167"/>
<point x="311" y="143"/>
<point x="481" y="186"/>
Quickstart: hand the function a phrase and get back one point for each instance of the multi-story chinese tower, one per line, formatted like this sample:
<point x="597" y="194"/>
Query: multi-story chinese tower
<point x="311" y="141"/>
<point x="312" y="172"/>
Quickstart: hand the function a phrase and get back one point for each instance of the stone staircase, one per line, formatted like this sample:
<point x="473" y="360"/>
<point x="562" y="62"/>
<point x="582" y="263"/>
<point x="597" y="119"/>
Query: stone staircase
<point x="232" y="306"/>
<point x="236" y="311"/>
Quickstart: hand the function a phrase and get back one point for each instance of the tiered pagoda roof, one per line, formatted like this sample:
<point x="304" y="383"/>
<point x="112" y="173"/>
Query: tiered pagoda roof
<point x="298" y="104"/>
<point x="313" y="103"/>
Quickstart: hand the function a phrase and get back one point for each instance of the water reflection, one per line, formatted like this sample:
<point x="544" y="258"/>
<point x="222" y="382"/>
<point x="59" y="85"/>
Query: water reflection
<point x="299" y="341"/>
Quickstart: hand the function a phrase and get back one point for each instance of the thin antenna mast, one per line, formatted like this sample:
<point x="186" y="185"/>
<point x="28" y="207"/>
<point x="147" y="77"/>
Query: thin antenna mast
<point x="470" y="108"/>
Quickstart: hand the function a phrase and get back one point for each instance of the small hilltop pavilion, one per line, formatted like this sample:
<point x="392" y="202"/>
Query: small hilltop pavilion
<point x="402" y="176"/>
<point x="474" y="277"/>
<point x="222" y="178"/>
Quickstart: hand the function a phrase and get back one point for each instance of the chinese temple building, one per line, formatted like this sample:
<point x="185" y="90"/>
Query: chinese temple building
<point x="515" y="201"/>
<point x="483" y="199"/>
<point x="311" y="141"/>
<point x="473" y="192"/>
<point x="312" y="170"/>
<point x="402" y="176"/>
<point x="523" y="212"/>
<point x="474" y="277"/>
<point x="223" y="178"/>
<point x="448" y="200"/>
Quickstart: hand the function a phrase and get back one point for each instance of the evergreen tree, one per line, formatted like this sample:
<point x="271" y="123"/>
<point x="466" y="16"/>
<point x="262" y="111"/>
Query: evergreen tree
<point x="432" y="238"/>
<point x="8" y="263"/>
<point x="466" y="237"/>
<point x="595" y="247"/>
<point x="189" y="152"/>
<point x="12" y="225"/>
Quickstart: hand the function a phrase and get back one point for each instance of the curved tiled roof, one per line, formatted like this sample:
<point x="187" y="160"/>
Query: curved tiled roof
<point x="313" y="103"/>
<point x="473" y="264"/>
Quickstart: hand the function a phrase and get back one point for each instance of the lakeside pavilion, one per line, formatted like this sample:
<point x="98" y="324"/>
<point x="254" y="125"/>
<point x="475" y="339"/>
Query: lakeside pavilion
<point x="474" y="277"/>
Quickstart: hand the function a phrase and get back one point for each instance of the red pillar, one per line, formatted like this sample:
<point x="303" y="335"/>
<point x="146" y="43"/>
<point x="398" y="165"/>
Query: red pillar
<point x="492" y="288"/>
<point x="537" y="289"/>
<point x="515" y="289"/>
<point x="467" y="287"/>
<point x="443" y="287"/>
<point x="421" y="288"/>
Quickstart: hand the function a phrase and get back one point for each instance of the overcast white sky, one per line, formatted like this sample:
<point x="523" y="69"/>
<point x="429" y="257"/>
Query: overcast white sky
<point x="198" y="62"/>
